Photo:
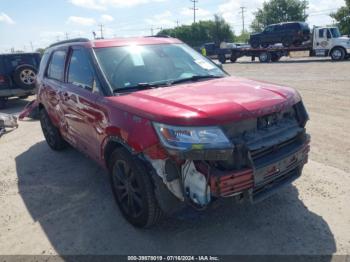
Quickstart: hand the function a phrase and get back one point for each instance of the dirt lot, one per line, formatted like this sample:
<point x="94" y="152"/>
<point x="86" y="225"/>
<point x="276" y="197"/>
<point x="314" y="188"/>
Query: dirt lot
<point x="61" y="203"/>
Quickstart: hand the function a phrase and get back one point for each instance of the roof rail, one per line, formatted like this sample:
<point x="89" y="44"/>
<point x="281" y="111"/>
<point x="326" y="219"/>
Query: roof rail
<point x="74" y="40"/>
<point x="160" y="36"/>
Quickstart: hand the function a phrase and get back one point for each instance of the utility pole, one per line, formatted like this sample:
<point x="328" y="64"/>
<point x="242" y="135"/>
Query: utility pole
<point x="67" y="36"/>
<point x="194" y="8"/>
<point x="101" y="30"/>
<point x="242" y="12"/>
<point x="152" y="31"/>
<point x="31" y="45"/>
<point x="177" y="23"/>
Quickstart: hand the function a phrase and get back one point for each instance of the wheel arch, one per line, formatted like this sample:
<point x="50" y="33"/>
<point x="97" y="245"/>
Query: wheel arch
<point x="337" y="46"/>
<point x="112" y="143"/>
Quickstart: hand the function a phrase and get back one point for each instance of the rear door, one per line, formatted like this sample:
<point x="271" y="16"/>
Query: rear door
<point x="52" y="85"/>
<point x="79" y="96"/>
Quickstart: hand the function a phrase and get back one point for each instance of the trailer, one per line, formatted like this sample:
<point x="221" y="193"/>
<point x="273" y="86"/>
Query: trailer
<point x="325" y="42"/>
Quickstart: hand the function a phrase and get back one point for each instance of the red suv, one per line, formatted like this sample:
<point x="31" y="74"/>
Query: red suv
<point x="172" y="128"/>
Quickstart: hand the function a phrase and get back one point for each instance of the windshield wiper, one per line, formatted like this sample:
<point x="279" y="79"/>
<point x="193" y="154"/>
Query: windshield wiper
<point x="194" y="78"/>
<point x="138" y="87"/>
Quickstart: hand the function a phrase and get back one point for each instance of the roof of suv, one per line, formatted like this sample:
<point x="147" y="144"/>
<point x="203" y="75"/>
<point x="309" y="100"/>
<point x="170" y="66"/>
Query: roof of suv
<point x="19" y="54"/>
<point x="115" y="42"/>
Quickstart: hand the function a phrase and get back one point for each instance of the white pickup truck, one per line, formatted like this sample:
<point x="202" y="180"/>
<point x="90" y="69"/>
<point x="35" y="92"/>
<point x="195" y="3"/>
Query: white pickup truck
<point x="327" y="41"/>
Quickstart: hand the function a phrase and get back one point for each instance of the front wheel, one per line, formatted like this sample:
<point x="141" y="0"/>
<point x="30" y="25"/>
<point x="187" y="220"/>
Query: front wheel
<point x="338" y="54"/>
<point x="133" y="189"/>
<point x="51" y="133"/>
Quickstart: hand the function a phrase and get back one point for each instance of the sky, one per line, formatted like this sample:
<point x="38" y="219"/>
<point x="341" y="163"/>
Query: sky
<point x="27" y="25"/>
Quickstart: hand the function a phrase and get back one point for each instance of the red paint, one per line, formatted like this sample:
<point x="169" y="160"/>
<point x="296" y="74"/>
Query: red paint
<point x="208" y="103"/>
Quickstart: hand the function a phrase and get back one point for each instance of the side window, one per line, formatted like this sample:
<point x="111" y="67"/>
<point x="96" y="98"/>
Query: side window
<point x="56" y="67"/>
<point x="80" y="71"/>
<point x="277" y="28"/>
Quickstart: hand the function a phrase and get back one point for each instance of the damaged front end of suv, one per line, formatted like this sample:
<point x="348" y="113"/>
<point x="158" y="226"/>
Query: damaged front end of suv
<point x="248" y="159"/>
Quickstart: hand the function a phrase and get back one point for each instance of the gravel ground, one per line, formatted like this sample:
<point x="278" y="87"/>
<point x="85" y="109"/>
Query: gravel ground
<point x="61" y="203"/>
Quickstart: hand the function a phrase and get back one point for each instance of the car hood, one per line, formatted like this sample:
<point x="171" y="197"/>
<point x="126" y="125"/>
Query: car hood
<point x="207" y="102"/>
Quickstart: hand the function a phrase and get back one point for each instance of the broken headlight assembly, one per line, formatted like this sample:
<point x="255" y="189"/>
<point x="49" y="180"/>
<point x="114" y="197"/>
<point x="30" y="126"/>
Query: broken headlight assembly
<point x="185" y="138"/>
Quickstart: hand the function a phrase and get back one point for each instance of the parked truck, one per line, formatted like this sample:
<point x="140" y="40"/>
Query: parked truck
<point x="324" y="42"/>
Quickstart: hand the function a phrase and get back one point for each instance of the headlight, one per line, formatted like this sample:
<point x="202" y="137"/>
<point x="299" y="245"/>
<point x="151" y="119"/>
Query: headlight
<point x="191" y="138"/>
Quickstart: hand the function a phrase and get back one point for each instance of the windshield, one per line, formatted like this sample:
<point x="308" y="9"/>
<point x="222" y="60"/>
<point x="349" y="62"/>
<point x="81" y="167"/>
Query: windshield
<point x="335" y="32"/>
<point x="130" y="66"/>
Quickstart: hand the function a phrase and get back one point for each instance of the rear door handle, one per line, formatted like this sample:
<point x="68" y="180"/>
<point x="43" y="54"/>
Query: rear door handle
<point x="66" y="96"/>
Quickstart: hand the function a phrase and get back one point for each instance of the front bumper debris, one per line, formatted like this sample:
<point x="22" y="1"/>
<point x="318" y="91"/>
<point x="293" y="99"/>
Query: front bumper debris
<point x="7" y="121"/>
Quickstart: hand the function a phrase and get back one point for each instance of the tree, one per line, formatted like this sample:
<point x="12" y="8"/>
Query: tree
<point x="202" y="32"/>
<point x="342" y="16"/>
<point x="243" y="37"/>
<point x="40" y="50"/>
<point x="278" y="11"/>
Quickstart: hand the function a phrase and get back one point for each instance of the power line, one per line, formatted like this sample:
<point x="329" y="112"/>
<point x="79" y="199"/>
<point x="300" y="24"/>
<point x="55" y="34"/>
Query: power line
<point x="195" y="9"/>
<point x="101" y="30"/>
<point x="243" y="12"/>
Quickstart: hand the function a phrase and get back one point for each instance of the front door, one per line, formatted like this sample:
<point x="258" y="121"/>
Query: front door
<point x="322" y="41"/>
<point x="79" y="97"/>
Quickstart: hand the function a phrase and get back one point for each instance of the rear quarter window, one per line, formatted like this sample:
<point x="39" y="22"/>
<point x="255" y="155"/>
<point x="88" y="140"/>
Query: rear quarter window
<point x="292" y="26"/>
<point x="56" y="67"/>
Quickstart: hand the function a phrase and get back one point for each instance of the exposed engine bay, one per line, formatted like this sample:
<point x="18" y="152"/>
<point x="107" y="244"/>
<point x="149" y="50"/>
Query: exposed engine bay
<point x="268" y="152"/>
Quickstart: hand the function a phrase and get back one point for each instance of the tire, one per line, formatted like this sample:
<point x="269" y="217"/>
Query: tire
<point x="133" y="189"/>
<point x="3" y="101"/>
<point x="298" y="43"/>
<point x="275" y="58"/>
<point x="233" y="59"/>
<point x="24" y="77"/>
<point x="222" y="59"/>
<point x="264" y="57"/>
<point x="51" y="133"/>
<point x="287" y="42"/>
<point x="338" y="54"/>
<point x="265" y="45"/>
<point x="255" y="43"/>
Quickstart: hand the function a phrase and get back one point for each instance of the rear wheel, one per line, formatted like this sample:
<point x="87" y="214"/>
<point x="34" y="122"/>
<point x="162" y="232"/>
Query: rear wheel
<point x="51" y="133"/>
<point x="264" y="57"/>
<point x="338" y="54"/>
<point x="133" y="189"/>
<point x="255" y="43"/>
<point x="275" y="57"/>
<point x="233" y="58"/>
